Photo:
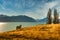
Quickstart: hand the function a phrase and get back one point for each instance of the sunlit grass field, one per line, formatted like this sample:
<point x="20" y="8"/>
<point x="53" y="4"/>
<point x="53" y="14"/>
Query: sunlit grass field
<point x="38" y="32"/>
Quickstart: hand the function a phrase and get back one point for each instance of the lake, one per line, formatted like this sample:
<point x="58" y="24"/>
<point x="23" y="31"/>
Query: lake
<point x="7" y="26"/>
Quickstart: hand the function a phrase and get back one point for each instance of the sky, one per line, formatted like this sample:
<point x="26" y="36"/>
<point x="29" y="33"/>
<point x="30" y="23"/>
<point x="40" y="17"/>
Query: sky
<point x="36" y="9"/>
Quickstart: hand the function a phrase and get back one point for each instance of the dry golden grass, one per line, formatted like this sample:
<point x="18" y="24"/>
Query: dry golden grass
<point x="38" y="32"/>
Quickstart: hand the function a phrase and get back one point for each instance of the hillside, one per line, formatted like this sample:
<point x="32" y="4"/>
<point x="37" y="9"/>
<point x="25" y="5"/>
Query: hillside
<point x="38" y="32"/>
<point x="20" y="18"/>
<point x="42" y="20"/>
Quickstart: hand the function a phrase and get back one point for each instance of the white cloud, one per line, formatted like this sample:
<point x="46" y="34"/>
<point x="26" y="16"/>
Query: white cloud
<point x="40" y="13"/>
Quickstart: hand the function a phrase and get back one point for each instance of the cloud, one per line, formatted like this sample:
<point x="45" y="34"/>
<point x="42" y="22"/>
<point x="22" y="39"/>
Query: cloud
<point x="37" y="9"/>
<point x="41" y="11"/>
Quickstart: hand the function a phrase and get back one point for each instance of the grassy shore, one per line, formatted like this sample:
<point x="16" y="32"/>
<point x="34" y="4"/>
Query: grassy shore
<point x="38" y="32"/>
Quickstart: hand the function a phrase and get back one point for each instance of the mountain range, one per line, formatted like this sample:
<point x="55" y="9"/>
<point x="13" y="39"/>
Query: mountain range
<point x="20" y="18"/>
<point x="42" y="20"/>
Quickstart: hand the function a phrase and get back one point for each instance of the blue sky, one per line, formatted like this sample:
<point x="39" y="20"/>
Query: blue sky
<point x="34" y="8"/>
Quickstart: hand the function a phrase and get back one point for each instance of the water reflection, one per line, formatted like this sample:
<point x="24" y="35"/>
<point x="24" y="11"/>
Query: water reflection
<point x="8" y="26"/>
<point x="2" y="26"/>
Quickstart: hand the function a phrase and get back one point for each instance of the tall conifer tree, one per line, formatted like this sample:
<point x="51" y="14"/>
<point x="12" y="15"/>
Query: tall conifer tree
<point x="56" y="19"/>
<point x="49" y="19"/>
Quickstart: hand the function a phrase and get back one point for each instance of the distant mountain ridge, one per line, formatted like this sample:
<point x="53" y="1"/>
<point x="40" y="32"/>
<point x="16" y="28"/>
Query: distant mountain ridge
<point x="20" y="18"/>
<point x="42" y="20"/>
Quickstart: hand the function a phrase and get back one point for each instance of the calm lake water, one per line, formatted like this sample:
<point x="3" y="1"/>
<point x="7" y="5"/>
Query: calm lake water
<point x="7" y="26"/>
